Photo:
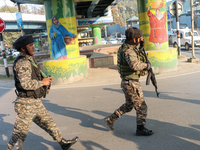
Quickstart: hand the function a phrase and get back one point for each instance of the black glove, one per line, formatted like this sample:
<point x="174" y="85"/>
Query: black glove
<point x="142" y="44"/>
<point x="148" y="66"/>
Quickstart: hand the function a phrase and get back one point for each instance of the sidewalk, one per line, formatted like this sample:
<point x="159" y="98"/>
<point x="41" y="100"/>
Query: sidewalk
<point x="110" y="75"/>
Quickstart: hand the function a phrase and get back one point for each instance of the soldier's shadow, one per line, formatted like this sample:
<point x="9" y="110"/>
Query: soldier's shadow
<point x="162" y="95"/>
<point x="32" y="141"/>
<point x="165" y="133"/>
<point x="86" y="120"/>
<point x="90" y="145"/>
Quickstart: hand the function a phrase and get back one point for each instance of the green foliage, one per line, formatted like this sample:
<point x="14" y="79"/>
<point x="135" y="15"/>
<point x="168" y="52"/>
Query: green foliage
<point x="8" y="9"/>
<point x="125" y="9"/>
<point x="130" y="6"/>
<point x="10" y="60"/>
<point x="1" y="61"/>
<point x="10" y="37"/>
<point x="11" y="77"/>
<point x="34" y="9"/>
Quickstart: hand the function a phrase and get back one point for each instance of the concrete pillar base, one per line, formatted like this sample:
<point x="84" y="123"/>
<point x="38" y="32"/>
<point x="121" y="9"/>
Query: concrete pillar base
<point x="66" y="71"/>
<point x="163" y="60"/>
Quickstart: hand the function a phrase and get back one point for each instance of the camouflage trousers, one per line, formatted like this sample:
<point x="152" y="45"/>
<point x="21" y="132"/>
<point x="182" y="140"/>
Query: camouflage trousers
<point x="32" y="110"/>
<point x="134" y="98"/>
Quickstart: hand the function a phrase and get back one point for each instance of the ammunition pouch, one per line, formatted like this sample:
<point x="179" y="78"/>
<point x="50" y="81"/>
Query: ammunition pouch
<point x="141" y="73"/>
<point x="41" y="92"/>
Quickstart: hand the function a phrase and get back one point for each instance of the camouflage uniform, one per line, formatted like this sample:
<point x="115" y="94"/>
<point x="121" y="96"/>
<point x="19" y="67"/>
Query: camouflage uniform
<point x="30" y="109"/>
<point x="130" y="82"/>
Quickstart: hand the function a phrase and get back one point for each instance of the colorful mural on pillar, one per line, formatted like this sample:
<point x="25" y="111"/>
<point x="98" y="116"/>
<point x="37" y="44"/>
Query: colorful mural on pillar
<point x="96" y="33"/>
<point x="153" y="23"/>
<point x="62" y="30"/>
<point x="67" y="65"/>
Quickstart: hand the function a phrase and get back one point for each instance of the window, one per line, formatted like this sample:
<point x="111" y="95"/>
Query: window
<point x="196" y="34"/>
<point x="181" y="35"/>
<point x="187" y="34"/>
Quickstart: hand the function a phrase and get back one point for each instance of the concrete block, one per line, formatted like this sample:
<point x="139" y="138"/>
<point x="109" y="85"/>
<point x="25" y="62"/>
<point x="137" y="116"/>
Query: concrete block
<point x="101" y="61"/>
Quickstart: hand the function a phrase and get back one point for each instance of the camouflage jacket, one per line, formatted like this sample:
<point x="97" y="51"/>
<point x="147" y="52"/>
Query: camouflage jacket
<point x="23" y="71"/>
<point x="131" y="63"/>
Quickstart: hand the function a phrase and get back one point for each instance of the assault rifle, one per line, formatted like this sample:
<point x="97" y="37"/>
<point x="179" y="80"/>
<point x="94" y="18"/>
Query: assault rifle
<point x="46" y="88"/>
<point x="150" y="75"/>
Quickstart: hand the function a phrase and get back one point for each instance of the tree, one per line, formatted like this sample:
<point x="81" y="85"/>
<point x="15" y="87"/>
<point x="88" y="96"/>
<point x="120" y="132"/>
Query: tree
<point x="8" y="9"/>
<point x="38" y="10"/>
<point x="25" y="9"/>
<point x="10" y="37"/>
<point x="33" y="9"/>
<point x="118" y="11"/>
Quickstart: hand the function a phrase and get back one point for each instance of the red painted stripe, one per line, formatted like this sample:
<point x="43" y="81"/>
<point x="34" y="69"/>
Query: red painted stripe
<point x="92" y="62"/>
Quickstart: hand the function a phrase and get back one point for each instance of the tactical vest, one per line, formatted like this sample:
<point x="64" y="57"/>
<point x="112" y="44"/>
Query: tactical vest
<point x="36" y="74"/>
<point x="124" y="69"/>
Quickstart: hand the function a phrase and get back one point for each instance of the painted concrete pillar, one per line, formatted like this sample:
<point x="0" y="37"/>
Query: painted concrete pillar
<point x="153" y="23"/>
<point x="96" y="33"/>
<point x="66" y="64"/>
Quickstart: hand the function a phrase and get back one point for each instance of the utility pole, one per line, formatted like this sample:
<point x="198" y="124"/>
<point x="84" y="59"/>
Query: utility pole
<point x="105" y="32"/>
<point x="178" y="32"/>
<point x="192" y="28"/>
<point x="4" y="55"/>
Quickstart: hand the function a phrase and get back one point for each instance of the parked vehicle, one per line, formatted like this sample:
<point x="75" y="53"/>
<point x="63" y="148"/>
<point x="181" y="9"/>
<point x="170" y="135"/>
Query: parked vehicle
<point x="111" y="41"/>
<point x="15" y="53"/>
<point x="186" y="39"/>
<point x="103" y="41"/>
<point x="119" y="40"/>
<point x="37" y="49"/>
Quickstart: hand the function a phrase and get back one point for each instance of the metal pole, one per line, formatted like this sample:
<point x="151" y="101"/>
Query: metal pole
<point x="4" y="55"/>
<point x="178" y="32"/>
<point x="19" y="10"/>
<point x="105" y="32"/>
<point x="192" y="28"/>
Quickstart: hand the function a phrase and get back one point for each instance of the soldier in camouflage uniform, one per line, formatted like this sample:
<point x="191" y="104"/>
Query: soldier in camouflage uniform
<point x="131" y="65"/>
<point x="31" y="85"/>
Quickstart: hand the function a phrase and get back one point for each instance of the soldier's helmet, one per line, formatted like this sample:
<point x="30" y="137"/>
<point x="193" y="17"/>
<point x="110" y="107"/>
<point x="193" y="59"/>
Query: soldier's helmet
<point x="22" y="41"/>
<point x="132" y="33"/>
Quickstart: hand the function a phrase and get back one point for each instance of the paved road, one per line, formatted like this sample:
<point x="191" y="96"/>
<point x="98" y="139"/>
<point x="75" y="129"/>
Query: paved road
<point x="189" y="53"/>
<point x="174" y="116"/>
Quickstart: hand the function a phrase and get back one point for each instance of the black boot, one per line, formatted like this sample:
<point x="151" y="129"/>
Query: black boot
<point x="65" y="144"/>
<point x="110" y="120"/>
<point x="142" y="131"/>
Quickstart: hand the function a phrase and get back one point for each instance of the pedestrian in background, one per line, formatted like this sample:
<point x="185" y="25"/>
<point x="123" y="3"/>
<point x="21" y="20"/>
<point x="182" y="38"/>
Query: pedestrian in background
<point x="131" y="65"/>
<point x="31" y="85"/>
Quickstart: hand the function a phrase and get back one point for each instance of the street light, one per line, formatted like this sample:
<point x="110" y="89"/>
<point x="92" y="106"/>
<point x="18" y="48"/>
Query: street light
<point x="192" y="26"/>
